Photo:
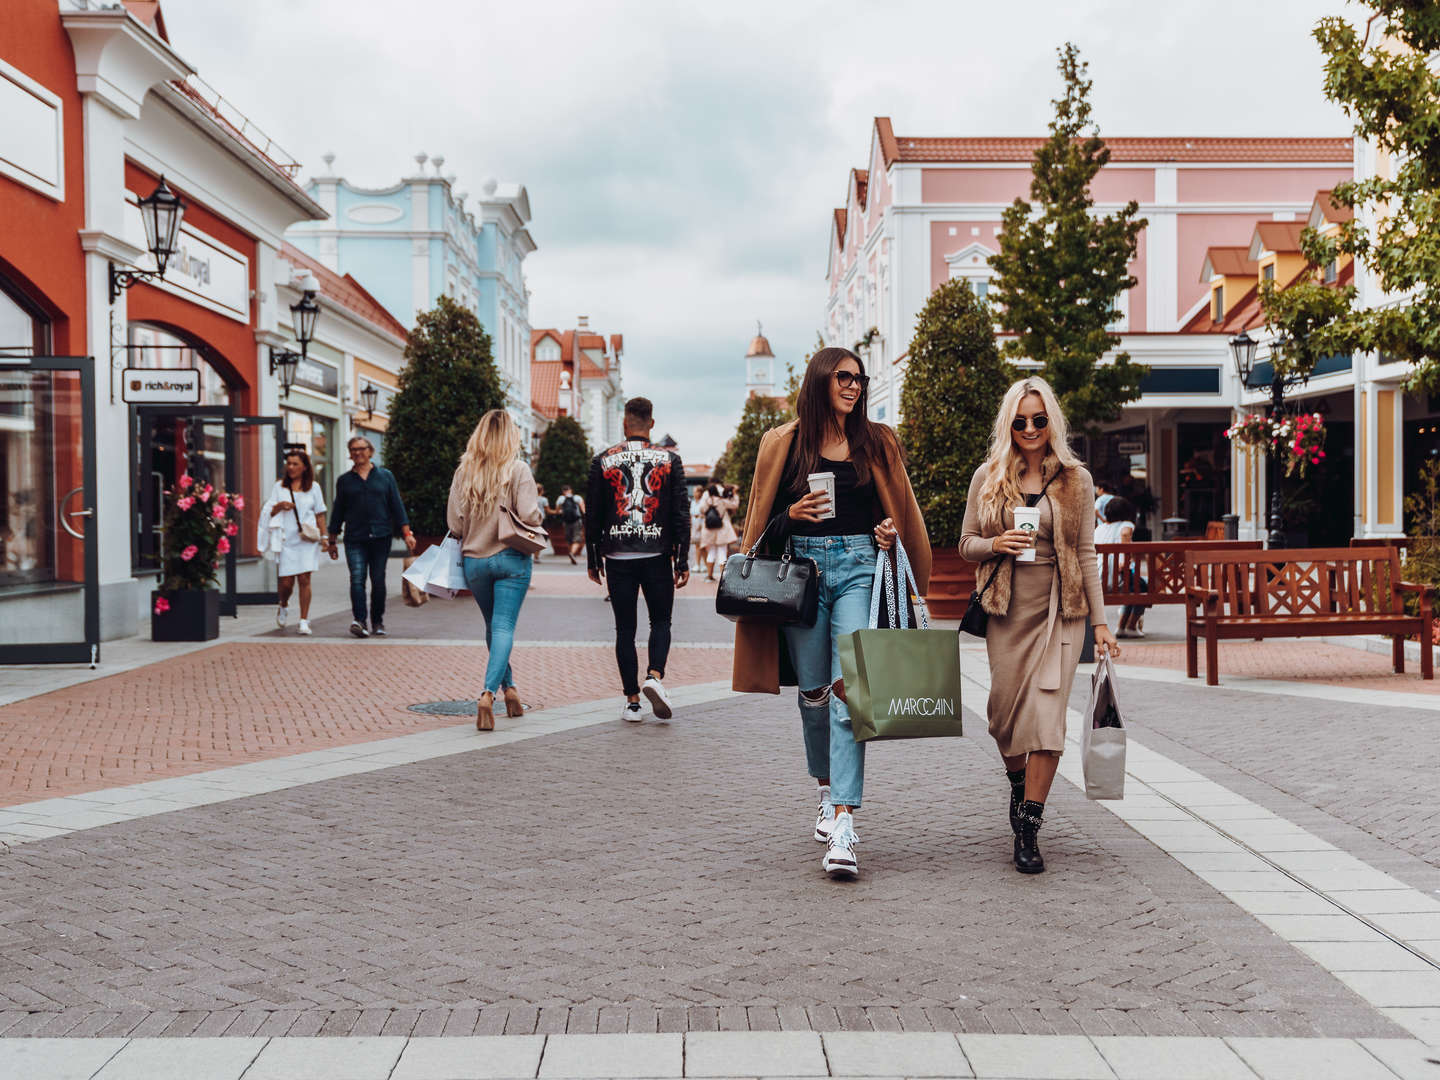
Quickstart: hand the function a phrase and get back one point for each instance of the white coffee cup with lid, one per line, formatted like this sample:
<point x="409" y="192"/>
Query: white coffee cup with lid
<point x="1027" y="519"/>
<point x="824" y="481"/>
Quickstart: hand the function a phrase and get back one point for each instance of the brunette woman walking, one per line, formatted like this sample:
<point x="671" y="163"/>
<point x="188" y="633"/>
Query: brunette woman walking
<point x="1037" y="608"/>
<point x="490" y="483"/>
<point x="296" y="504"/>
<point x="873" y="504"/>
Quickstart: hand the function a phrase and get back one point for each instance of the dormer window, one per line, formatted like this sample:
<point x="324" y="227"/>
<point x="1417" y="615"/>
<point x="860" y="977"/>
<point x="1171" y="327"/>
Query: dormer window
<point x="1217" y="303"/>
<point x="1267" y="272"/>
<point x="1331" y="272"/>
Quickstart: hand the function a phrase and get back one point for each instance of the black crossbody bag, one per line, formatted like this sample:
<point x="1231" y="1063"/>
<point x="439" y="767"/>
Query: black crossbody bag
<point x="782" y="589"/>
<point x="976" y="619"/>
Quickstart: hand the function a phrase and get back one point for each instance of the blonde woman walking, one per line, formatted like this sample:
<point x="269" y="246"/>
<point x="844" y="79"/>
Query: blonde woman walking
<point x="491" y="482"/>
<point x="1037" y="608"/>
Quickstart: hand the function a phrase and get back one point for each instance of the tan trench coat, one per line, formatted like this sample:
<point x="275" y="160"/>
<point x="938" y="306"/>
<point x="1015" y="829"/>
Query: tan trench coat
<point x="758" y="645"/>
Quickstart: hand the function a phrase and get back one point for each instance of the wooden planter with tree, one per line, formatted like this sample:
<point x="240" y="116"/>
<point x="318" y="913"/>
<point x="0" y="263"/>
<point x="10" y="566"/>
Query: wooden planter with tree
<point x="953" y="389"/>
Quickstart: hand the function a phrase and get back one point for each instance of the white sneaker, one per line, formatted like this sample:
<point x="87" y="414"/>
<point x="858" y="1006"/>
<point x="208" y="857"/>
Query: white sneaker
<point x="630" y="710"/>
<point x="840" y="855"/>
<point x="825" y="817"/>
<point x="357" y="628"/>
<point x="304" y="628"/>
<point x="659" y="700"/>
<point x="282" y="616"/>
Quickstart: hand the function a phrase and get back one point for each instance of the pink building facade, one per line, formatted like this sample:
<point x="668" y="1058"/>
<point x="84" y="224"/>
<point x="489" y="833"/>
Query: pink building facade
<point x="926" y="210"/>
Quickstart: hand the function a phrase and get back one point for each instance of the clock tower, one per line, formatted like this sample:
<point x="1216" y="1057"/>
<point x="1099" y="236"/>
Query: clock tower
<point x="759" y="367"/>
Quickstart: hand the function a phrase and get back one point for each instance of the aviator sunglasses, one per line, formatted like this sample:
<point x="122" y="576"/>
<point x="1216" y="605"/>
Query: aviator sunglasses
<point x="847" y="379"/>
<point x="1020" y="423"/>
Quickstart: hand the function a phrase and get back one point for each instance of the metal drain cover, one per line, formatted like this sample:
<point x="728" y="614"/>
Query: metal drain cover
<point x="457" y="708"/>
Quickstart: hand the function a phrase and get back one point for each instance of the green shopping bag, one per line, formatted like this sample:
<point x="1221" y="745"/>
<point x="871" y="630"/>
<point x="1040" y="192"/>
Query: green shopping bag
<point x="901" y="683"/>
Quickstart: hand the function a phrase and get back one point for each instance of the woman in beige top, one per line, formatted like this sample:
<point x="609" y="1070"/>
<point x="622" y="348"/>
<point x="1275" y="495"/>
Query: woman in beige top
<point x="1037" y="609"/>
<point x="491" y="481"/>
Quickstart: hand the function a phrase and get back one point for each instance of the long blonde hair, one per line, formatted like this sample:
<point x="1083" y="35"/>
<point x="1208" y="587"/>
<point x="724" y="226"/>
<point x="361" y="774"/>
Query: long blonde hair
<point x="1005" y="464"/>
<point x="484" y="470"/>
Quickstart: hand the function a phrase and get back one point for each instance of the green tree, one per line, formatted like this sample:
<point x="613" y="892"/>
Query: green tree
<point x="954" y="384"/>
<point x="1391" y="90"/>
<point x="564" y="458"/>
<point x="759" y="416"/>
<point x="448" y="382"/>
<point x="1061" y="267"/>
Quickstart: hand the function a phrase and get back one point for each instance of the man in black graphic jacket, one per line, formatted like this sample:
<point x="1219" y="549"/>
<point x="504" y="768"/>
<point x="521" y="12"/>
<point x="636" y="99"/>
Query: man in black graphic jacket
<point x="637" y="536"/>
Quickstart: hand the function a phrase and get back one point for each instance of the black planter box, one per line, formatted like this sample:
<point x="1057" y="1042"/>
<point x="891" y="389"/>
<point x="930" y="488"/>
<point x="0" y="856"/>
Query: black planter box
<point x="194" y="615"/>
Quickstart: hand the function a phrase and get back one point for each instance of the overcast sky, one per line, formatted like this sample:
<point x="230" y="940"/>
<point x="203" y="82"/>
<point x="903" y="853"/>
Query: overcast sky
<point x="682" y="159"/>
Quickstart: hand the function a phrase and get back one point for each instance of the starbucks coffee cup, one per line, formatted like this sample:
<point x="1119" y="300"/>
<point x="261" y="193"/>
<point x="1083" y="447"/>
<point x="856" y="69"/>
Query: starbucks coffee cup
<point x="1028" y="519"/>
<point x="824" y="481"/>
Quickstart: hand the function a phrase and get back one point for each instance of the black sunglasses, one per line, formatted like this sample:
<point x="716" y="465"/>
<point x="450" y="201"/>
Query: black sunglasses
<point x="847" y="379"/>
<point x="1041" y="422"/>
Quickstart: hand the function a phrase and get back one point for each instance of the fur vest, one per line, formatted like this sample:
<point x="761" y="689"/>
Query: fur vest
<point x="1071" y="497"/>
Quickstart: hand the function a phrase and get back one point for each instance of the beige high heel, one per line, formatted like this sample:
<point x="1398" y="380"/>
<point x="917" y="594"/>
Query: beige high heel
<point x="485" y="712"/>
<point x="512" y="702"/>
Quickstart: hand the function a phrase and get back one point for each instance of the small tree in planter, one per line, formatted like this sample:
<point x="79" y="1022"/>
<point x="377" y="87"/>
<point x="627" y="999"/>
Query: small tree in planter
<point x="448" y="382"/>
<point x="759" y="415"/>
<point x="199" y="526"/>
<point x="953" y="388"/>
<point x="564" y="458"/>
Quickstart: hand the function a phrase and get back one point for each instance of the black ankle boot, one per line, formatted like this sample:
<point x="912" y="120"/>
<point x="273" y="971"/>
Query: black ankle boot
<point x="1017" y="796"/>
<point x="1028" y="859"/>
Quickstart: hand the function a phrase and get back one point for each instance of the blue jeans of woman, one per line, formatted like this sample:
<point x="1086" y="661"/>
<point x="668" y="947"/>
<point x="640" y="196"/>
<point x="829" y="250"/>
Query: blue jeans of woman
<point x="498" y="583"/>
<point x="847" y="571"/>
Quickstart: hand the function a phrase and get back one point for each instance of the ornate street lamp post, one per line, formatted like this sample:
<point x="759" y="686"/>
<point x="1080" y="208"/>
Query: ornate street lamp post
<point x="286" y="361"/>
<point x="1242" y="349"/>
<point x="370" y="397"/>
<point x="161" y="213"/>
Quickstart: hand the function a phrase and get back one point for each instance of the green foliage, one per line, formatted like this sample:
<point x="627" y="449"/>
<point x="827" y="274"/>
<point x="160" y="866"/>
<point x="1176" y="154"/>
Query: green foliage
<point x="1422" y="507"/>
<point x="200" y="524"/>
<point x="564" y="458"/>
<point x="1061" y="269"/>
<point x="449" y="381"/>
<point x="953" y="388"/>
<point x="1392" y="93"/>
<point x="759" y="416"/>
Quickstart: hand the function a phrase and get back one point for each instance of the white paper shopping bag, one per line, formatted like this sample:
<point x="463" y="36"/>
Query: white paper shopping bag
<point x="439" y="570"/>
<point x="1102" y="743"/>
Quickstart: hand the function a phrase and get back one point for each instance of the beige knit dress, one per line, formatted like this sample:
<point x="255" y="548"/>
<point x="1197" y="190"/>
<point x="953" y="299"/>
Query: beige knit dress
<point x="1033" y="650"/>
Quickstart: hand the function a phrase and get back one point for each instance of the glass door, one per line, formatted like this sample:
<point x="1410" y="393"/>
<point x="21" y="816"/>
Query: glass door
<point x="257" y="451"/>
<point x="49" y="561"/>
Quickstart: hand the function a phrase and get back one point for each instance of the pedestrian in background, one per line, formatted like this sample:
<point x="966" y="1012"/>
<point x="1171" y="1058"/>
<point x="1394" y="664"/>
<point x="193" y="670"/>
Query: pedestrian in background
<point x="1037" y="602"/>
<point x="1119" y="528"/>
<point x="491" y="482"/>
<point x="544" y="504"/>
<point x="716" y="531"/>
<point x="873" y="504"/>
<point x="296" y="510"/>
<point x="572" y="513"/>
<point x="638" y="540"/>
<point x="697" y="526"/>
<point x="369" y="510"/>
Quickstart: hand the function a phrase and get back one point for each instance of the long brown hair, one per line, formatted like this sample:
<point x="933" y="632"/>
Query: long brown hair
<point x="816" y="418"/>
<point x="307" y="471"/>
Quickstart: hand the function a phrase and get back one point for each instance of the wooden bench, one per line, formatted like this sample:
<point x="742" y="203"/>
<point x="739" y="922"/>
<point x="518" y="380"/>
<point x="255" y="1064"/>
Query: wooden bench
<point x="1299" y="592"/>
<point x="1160" y="563"/>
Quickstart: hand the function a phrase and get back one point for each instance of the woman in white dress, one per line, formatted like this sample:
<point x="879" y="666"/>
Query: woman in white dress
<point x="295" y="501"/>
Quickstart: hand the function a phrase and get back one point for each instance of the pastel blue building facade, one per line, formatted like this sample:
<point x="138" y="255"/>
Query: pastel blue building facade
<point x="410" y="243"/>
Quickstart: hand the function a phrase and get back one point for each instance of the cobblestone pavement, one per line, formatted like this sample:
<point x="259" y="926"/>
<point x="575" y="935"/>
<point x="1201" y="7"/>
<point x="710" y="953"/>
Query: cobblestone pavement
<point x="651" y="878"/>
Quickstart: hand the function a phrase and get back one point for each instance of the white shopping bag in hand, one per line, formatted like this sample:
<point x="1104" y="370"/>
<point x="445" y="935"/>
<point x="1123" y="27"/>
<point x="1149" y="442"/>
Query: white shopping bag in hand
<point x="439" y="570"/>
<point x="1102" y="743"/>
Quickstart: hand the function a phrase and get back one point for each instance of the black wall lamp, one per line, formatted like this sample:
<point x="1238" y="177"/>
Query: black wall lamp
<point x="160" y="212"/>
<point x="370" y="397"/>
<point x="286" y="362"/>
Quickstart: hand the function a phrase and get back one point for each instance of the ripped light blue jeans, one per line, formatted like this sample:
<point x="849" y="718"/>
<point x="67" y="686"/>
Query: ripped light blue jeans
<point x="847" y="572"/>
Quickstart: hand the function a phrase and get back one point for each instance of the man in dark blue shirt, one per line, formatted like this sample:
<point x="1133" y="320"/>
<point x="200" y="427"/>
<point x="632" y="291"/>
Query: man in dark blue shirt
<point x="368" y="507"/>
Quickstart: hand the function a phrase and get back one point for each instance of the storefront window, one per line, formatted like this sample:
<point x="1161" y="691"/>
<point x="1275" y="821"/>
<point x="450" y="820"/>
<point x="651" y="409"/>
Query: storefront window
<point x="315" y="435"/>
<point x="17" y="328"/>
<point x="152" y="347"/>
<point x="41" y="461"/>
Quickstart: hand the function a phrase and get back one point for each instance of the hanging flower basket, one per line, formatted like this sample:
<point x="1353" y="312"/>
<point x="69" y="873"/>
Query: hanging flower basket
<point x="200" y="525"/>
<point x="1302" y="438"/>
<point x="1252" y="430"/>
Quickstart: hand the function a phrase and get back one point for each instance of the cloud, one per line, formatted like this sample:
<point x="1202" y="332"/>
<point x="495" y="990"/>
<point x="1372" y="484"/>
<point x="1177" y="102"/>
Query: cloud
<point x="682" y="159"/>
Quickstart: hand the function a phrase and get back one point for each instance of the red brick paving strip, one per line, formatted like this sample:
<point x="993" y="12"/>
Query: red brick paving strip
<point x="1297" y="660"/>
<point x="242" y="702"/>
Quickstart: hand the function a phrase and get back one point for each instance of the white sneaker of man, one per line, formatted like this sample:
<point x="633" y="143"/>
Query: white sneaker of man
<point x="840" y="858"/>
<point x="630" y="711"/>
<point x="825" y="817"/>
<point x="659" y="700"/>
<point x="304" y="628"/>
<point x="282" y="616"/>
<point x="357" y="628"/>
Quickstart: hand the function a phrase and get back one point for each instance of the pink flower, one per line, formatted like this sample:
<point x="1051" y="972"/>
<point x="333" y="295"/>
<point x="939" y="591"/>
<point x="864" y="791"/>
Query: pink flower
<point x="222" y="545"/>
<point x="231" y="529"/>
<point x="222" y="499"/>
<point x="185" y="502"/>
<point x="189" y="553"/>
<point x="239" y="502"/>
<point x="185" y="482"/>
<point x="161" y="605"/>
<point x="205" y="495"/>
<point x="219" y="512"/>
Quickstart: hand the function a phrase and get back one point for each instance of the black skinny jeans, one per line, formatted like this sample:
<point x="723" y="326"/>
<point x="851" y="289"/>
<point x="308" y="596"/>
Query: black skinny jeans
<point x="628" y="578"/>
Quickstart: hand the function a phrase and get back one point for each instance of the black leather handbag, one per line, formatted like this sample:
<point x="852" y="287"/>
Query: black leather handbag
<point x="781" y="589"/>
